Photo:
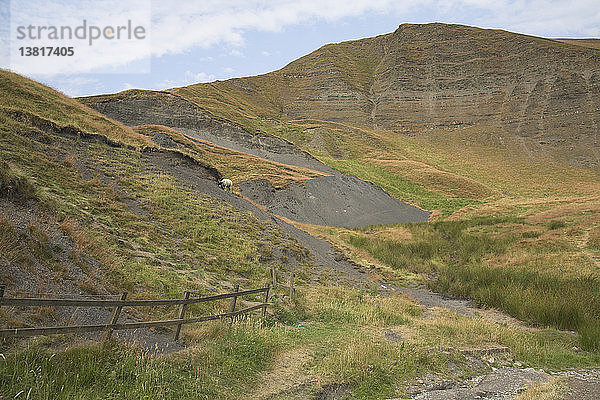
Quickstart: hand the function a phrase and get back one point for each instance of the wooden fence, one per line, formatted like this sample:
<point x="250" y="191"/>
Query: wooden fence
<point x="123" y="302"/>
<point x="278" y="285"/>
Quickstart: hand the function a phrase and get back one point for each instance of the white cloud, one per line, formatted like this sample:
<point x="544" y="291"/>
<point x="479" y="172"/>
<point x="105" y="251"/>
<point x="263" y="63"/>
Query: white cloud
<point x="189" y="78"/>
<point x="179" y="26"/>
<point x="236" y="53"/>
<point x="167" y="84"/>
<point x="85" y="19"/>
<point x="548" y="18"/>
<point x="265" y="53"/>
<point x="195" y="77"/>
<point x="208" y="23"/>
<point x="75" y="85"/>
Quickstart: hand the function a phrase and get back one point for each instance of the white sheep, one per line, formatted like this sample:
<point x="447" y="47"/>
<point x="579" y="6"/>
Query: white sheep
<point x="226" y="185"/>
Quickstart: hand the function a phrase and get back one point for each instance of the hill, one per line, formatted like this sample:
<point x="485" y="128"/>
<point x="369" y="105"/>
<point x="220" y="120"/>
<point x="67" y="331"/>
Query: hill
<point x="430" y="77"/>
<point x="440" y="116"/>
<point x="445" y="117"/>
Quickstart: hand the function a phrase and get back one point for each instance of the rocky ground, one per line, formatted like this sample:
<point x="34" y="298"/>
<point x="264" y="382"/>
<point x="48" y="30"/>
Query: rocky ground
<point x="337" y="200"/>
<point x="502" y="384"/>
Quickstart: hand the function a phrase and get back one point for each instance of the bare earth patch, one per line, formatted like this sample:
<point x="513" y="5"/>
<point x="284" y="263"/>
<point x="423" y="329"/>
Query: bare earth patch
<point x="286" y="375"/>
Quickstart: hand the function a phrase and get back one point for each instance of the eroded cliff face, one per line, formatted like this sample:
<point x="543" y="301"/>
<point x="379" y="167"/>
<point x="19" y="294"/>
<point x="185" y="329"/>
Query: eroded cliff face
<point x="540" y="93"/>
<point x="437" y="76"/>
<point x="440" y="75"/>
<point x="143" y="107"/>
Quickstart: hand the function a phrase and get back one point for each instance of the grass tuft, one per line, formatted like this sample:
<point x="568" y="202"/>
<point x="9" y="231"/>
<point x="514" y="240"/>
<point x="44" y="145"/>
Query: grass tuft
<point x="15" y="187"/>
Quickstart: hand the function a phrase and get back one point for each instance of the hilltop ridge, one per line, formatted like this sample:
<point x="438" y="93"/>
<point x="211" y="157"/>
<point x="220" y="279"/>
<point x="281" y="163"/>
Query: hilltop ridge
<point x="420" y="78"/>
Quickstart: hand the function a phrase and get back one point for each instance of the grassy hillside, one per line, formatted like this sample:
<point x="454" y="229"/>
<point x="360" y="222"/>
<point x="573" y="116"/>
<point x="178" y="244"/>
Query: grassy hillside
<point x="90" y="206"/>
<point x="458" y="168"/>
<point x="539" y="262"/>
<point x="497" y="117"/>
<point x="23" y="95"/>
<point x="128" y="221"/>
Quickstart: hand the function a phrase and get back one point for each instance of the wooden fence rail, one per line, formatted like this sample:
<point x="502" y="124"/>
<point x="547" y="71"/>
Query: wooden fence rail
<point x="119" y="304"/>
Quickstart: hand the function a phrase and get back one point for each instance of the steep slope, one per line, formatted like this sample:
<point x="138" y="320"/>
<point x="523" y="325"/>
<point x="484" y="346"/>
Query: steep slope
<point x="90" y="206"/>
<point x="335" y="199"/>
<point x="20" y="96"/>
<point x="137" y="107"/>
<point x="435" y="76"/>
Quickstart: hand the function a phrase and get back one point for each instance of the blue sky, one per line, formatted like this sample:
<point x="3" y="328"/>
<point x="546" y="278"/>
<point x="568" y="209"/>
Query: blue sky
<point x="191" y="42"/>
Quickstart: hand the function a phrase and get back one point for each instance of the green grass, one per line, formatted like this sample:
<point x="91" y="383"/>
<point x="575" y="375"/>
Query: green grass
<point x="32" y="99"/>
<point x="14" y="187"/>
<point x="459" y="256"/>
<point x="224" y="366"/>
<point x="400" y="187"/>
<point x="339" y="331"/>
<point x="433" y="244"/>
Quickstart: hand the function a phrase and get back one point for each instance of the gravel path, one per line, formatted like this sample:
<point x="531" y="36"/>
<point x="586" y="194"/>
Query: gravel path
<point x="503" y="384"/>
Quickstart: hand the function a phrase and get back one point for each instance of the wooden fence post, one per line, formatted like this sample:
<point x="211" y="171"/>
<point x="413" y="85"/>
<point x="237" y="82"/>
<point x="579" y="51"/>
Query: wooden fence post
<point x="234" y="298"/>
<point x="115" y="317"/>
<point x="266" y="300"/>
<point x="233" y="301"/>
<point x="292" y="290"/>
<point x="182" y="307"/>
<point x="274" y="276"/>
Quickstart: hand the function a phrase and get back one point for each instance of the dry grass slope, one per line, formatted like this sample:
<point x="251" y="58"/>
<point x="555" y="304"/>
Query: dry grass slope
<point x="232" y="164"/>
<point x="25" y="95"/>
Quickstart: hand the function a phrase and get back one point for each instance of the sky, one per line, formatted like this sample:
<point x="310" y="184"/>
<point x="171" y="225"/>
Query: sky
<point x="179" y="43"/>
